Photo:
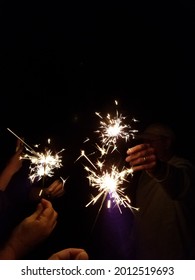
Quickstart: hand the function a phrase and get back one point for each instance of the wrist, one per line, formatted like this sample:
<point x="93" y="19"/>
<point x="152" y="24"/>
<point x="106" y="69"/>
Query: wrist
<point x="15" y="249"/>
<point x="8" y="253"/>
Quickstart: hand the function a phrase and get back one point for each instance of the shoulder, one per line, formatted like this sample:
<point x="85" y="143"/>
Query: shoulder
<point x="181" y="162"/>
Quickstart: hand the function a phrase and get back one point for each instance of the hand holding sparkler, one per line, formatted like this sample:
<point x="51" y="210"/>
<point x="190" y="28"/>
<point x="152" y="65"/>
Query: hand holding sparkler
<point x="30" y="232"/>
<point x="55" y="190"/>
<point x="141" y="157"/>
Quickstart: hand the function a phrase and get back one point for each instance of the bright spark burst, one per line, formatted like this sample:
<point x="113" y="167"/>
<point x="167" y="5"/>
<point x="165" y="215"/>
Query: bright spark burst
<point x="109" y="181"/>
<point x="110" y="185"/>
<point x="113" y="128"/>
<point x="42" y="163"/>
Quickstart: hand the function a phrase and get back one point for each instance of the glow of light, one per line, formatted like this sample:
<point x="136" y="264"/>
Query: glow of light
<point x="109" y="180"/>
<point x="113" y="128"/>
<point x="42" y="163"/>
<point x="109" y="184"/>
<point x="40" y="193"/>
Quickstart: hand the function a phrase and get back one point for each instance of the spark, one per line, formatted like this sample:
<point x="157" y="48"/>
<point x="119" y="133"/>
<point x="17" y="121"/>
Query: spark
<point x="42" y="163"/>
<point x="110" y="185"/>
<point x="63" y="180"/>
<point x="84" y="155"/>
<point x="108" y="180"/>
<point x="113" y="128"/>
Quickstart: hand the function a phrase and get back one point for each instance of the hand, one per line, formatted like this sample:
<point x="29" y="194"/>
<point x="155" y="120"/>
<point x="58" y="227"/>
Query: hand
<point x="32" y="230"/>
<point x="70" y="254"/>
<point x="19" y="145"/>
<point x="142" y="157"/>
<point x="56" y="189"/>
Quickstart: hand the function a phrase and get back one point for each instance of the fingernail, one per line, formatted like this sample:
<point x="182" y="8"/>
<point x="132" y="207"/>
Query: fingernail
<point x="83" y="256"/>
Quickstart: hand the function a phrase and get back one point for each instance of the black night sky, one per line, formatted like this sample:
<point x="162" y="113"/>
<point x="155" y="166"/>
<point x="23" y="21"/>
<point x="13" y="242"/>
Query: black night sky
<point x="62" y="61"/>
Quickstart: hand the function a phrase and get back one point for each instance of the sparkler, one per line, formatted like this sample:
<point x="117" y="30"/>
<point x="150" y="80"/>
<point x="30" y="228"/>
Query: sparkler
<point x="108" y="179"/>
<point x="42" y="163"/>
<point x="113" y="128"/>
<point x="109" y="185"/>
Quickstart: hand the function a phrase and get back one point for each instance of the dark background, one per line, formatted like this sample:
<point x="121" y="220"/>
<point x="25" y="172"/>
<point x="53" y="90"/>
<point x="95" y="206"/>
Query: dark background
<point x="61" y="61"/>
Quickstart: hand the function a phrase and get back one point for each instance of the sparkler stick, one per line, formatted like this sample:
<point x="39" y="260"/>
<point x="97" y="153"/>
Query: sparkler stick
<point x="27" y="146"/>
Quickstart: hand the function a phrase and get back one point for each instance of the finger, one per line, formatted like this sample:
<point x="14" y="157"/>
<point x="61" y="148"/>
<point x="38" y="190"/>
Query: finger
<point x="47" y="210"/>
<point x="147" y="166"/>
<point x="137" y="148"/>
<point x="38" y="211"/>
<point x="19" y="145"/>
<point x="82" y="256"/>
<point x="46" y="203"/>
<point x="70" y="254"/>
<point x="49" y="218"/>
<point x="57" y="191"/>
<point x="145" y="160"/>
<point x="141" y="155"/>
<point x="54" y="185"/>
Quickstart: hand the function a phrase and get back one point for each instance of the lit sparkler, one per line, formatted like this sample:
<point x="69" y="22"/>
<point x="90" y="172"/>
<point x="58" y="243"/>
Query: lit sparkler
<point x="42" y="163"/>
<point x="113" y="128"/>
<point x="110" y="185"/>
<point x="109" y="181"/>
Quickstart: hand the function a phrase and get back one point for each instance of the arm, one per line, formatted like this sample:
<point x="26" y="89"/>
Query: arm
<point x="13" y="166"/>
<point x="175" y="175"/>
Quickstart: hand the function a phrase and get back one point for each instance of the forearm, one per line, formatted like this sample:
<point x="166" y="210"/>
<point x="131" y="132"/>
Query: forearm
<point x="5" y="178"/>
<point x="20" y="241"/>
<point x="11" y="251"/>
<point x="7" y="253"/>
